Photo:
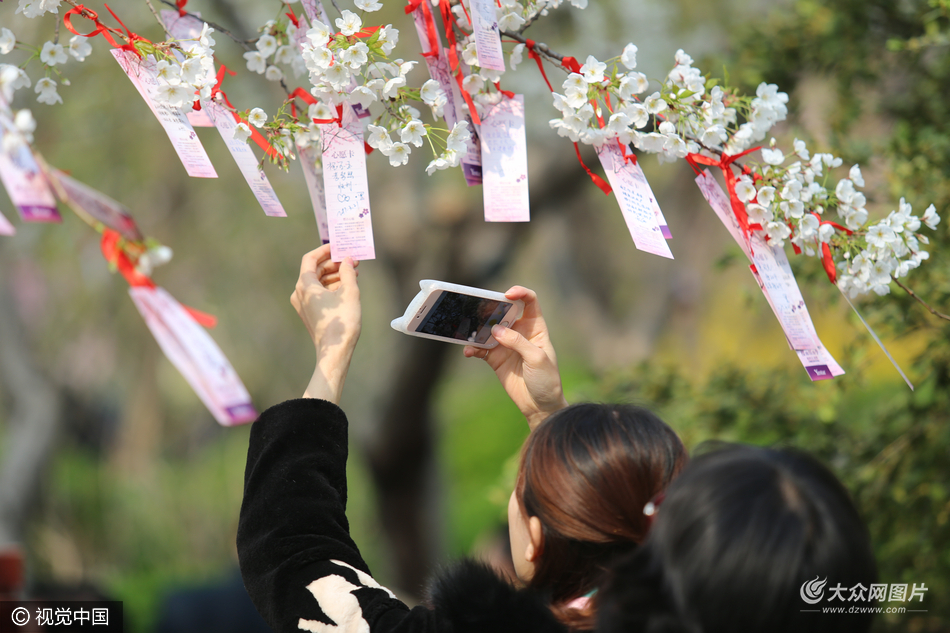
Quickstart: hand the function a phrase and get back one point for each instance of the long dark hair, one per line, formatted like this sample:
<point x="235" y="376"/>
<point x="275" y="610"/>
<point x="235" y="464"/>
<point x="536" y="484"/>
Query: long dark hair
<point x="586" y="473"/>
<point x="738" y="535"/>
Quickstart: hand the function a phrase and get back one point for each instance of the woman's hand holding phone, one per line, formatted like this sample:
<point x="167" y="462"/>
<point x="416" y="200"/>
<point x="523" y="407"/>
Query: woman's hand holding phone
<point x="327" y="298"/>
<point x="524" y="361"/>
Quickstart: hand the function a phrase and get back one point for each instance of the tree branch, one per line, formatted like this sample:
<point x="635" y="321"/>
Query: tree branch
<point x="940" y="315"/>
<point x="158" y="18"/>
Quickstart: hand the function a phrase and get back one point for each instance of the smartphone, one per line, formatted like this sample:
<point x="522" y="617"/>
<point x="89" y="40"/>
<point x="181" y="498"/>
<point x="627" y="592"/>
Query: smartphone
<point x="458" y="314"/>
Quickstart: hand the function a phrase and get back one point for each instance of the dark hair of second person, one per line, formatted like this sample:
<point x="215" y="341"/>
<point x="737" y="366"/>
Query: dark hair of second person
<point x="736" y="537"/>
<point x="586" y="473"/>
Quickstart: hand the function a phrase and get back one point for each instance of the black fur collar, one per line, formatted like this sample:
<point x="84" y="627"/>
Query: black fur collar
<point x="475" y="600"/>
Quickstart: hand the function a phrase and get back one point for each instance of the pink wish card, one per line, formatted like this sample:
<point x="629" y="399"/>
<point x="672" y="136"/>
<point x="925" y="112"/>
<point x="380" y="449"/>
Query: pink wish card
<point x="88" y="201"/>
<point x="719" y="202"/>
<point x="636" y="200"/>
<point x="487" y="35"/>
<point x="347" y="192"/>
<point x="142" y="73"/>
<point x="195" y="354"/>
<point x="775" y="276"/>
<point x="246" y="161"/>
<point x="312" y="174"/>
<point x="25" y="182"/>
<point x="505" y="161"/>
<point x="637" y="172"/>
<point x="5" y="227"/>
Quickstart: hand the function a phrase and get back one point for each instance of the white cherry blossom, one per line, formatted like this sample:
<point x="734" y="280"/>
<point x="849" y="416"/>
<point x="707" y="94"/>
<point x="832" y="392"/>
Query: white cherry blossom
<point x="7" y="41"/>
<point x="53" y="54"/>
<point x="413" y="132"/>
<point x="79" y="47"/>
<point x="267" y="45"/>
<point x="349" y="23"/>
<point x="257" y="117"/>
<point x="176" y="95"/>
<point x="46" y="89"/>
<point x="256" y="62"/>
<point x="510" y="21"/>
<point x="241" y="132"/>
<point x="629" y="56"/>
<point x="593" y="70"/>
<point x="368" y="5"/>
<point x="319" y="34"/>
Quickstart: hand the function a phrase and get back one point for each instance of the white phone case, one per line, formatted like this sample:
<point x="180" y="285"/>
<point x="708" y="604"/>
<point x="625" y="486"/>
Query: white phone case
<point x="428" y="286"/>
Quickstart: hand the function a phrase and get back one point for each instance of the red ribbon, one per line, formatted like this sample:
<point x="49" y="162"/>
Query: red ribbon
<point x="431" y="34"/>
<point x="725" y="163"/>
<point x="826" y="260"/>
<point x="533" y="54"/>
<point x="366" y="31"/>
<point x="293" y="17"/>
<point x="449" y="19"/>
<point x="299" y="93"/>
<point x="600" y="182"/>
<point x="118" y="258"/>
<point x="571" y="64"/>
<point x="106" y="31"/>
<point x="507" y="93"/>
<point x="181" y="7"/>
<point x="256" y="136"/>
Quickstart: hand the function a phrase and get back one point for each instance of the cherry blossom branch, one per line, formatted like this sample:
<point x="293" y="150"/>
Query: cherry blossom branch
<point x="245" y="44"/>
<point x="940" y="315"/>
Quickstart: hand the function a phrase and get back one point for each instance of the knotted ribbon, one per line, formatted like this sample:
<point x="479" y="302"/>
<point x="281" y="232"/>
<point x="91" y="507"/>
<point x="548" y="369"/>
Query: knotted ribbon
<point x="106" y="31"/>
<point x="256" y="136"/>
<point x="116" y="256"/>
<point x="725" y="164"/>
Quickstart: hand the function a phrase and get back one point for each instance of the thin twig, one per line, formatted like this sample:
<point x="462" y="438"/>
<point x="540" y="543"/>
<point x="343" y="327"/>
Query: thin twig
<point x="158" y="19"/>
<point x="336" y="6"/>
<point x="56" y="33"/>
<point x="921" y="301"/>
<point x="245" y="44"/>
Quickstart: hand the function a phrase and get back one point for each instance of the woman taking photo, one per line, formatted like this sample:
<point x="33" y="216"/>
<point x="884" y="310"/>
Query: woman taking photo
<point x="586" y="472"/>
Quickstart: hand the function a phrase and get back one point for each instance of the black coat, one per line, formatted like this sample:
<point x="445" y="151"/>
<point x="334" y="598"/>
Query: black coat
<point x="304" y="572"/>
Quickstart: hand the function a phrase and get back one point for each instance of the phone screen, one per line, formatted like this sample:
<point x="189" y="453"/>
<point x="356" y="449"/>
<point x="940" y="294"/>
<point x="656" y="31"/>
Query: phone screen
<point x="463" y="317"/>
